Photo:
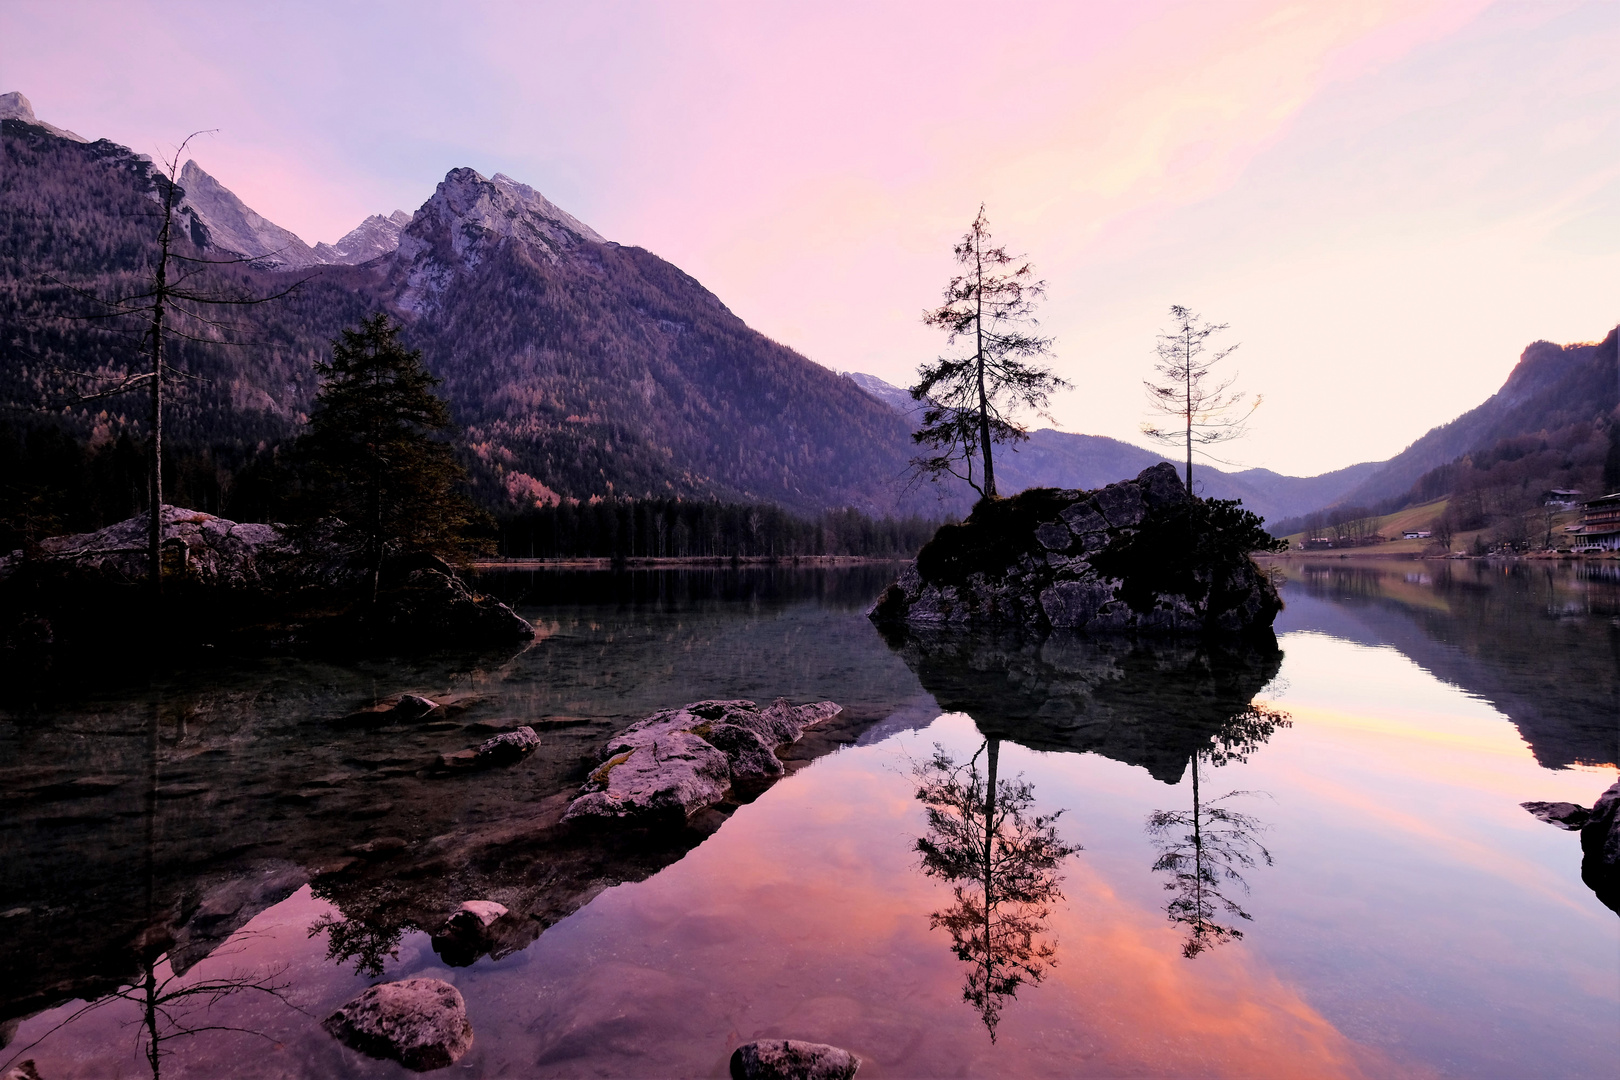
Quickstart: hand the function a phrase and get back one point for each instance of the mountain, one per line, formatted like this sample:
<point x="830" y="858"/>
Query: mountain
<point x="1558" y="397"/>
<point x="577" y="367"/>
<point x="14" y="106"/>
<point x="371" y="239"/>
<point x="230" y="224"/>
<point x="1065" y="459"/>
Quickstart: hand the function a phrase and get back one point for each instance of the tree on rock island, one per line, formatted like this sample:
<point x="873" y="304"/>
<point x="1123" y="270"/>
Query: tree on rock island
<point x="377" y="460"/>
<point x="970" y="400"/>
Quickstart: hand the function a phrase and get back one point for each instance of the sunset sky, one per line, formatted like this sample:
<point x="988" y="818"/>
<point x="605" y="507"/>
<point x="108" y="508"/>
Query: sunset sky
<point x="1387" y="201"/>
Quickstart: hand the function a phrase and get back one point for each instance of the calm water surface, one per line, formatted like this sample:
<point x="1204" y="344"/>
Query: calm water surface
<point x="225" y="847"/>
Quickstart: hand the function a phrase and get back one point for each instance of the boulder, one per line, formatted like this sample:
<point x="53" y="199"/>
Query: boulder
<point x="1600" y="848"/>
<point x="507" y="747"/>
<point x="790" y="1059"/>
<point x="676" y="762"/>
<point x="1135" y="556"/>
<point x="421" y="1023"/>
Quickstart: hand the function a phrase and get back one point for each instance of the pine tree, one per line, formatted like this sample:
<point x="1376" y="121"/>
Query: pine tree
<point x="377" y="464"/>
<point x="971" y="400"/>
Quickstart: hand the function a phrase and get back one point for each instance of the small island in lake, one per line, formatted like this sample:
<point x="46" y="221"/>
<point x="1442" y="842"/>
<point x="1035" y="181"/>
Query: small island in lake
<point x="1136" y="556"/>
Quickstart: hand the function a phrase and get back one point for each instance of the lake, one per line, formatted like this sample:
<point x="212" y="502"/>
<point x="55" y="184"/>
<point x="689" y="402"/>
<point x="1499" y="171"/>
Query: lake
<point x="225" y="854"/>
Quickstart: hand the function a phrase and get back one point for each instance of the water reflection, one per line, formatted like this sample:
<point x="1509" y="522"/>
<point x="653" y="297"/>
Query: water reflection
<point x="1205" y="851"/>
<point x="1539" y="640"/>
<point x="1003" y="867"/>
<point x="1150" y="703"/>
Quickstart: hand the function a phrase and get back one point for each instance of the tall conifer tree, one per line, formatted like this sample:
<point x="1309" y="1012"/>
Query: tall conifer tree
<point x="373" y="445"/>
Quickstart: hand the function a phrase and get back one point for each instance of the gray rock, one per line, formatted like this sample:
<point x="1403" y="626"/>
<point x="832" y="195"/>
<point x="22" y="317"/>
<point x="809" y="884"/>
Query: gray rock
<point x="676" y="762"/>
<point x="1082" y="518"/>
<point x="1600" y="848"/>
<point x="790" y="1059"/>
<point x="1565" y="815"/>
<point x="421" y="1023"/>
<point x="1054" y="536"/>
<point x="1121" y="503"/>
<point x="508" y="746"/>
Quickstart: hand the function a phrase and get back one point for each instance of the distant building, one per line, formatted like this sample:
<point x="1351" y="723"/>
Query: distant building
<point x="1600" y="525"/>
<point x="1416" y="534"/>
<point x="1565" y="497"/>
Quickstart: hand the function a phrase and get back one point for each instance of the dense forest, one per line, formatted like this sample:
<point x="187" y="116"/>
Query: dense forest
<point x="672" y="528"/>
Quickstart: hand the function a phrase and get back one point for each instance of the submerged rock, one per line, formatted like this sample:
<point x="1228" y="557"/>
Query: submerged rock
<point x="790" y="1059"/>
<point x="675" y="763"/>
<point x="421" y="1023"/>
<point x="1135" y="556"/>
<point x="412" y="707"/>
<point x="507" y="747"/>
<point x="1600" y="848"/>
<point x="1565" y="815"/>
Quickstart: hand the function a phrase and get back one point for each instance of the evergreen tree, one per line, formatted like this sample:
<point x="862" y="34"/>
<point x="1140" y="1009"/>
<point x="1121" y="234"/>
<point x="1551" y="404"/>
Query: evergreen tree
<point x="376" y="462"/>
<point x="970" y="400"/>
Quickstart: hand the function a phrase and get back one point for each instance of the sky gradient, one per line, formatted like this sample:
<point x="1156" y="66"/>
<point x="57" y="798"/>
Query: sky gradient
<point x="1386" y="201"/>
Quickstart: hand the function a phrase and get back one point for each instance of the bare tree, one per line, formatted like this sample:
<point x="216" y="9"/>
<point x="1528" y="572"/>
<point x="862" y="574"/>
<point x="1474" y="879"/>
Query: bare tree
<point x="1207" y="410"/>
<point x="970" y="401"/>
<point x="172" y="305"/>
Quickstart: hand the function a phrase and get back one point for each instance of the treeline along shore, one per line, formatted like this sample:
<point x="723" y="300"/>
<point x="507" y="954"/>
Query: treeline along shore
<point x="702" y="531"/>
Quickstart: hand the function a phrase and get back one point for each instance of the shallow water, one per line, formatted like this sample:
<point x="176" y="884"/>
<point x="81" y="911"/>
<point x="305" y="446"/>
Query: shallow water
<point x="1400" y="914"/>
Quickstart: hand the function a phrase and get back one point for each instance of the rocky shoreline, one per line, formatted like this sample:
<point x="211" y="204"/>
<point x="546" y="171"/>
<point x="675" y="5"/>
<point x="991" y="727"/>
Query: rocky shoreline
<point x="246" y="585"/>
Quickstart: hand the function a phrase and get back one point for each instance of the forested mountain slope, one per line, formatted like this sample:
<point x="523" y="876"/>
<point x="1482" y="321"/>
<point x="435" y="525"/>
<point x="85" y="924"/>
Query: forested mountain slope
<point x="577" y="367"/>
<point x="1557" y="401"/>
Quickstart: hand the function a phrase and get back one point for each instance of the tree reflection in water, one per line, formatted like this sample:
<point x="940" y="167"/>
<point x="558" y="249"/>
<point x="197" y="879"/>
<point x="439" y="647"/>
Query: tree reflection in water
<point x="173" y="1009"/>
<point x="1003" y="865"/>
<point x="1207" y="850"/>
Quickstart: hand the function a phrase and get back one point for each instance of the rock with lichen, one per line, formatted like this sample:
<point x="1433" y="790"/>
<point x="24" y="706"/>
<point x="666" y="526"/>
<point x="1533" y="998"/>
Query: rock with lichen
<point x="676" y="762"/>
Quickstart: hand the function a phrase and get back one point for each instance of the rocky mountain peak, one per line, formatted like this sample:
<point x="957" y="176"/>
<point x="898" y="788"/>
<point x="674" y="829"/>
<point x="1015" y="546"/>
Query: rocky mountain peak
<point x="14" y="106"/>
<point x="374" y="237"/>
<point x="234" y="226"/>
<point x="469" y="214"/>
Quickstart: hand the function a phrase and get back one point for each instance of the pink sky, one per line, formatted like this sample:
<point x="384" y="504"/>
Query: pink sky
<point x="1387" y="201"/>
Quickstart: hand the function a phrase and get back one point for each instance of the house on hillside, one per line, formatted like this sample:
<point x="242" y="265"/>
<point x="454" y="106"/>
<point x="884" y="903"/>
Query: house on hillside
<point x="1600" y="525"/>
<point x="1565" y="497"/>
<point x="1416" y="534"/>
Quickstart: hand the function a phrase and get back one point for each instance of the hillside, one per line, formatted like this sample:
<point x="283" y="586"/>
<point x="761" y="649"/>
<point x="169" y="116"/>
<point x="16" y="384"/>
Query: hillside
<point x="1557" y="395"/>
<point x="577" y="367"/>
